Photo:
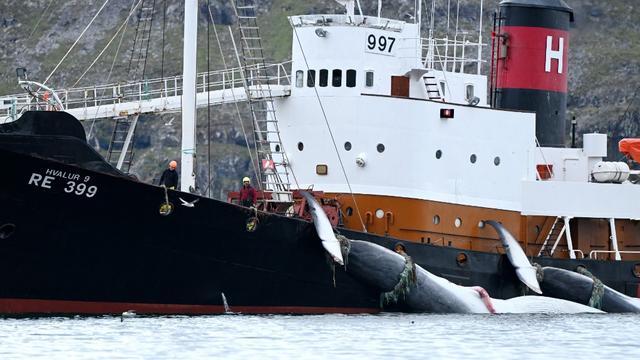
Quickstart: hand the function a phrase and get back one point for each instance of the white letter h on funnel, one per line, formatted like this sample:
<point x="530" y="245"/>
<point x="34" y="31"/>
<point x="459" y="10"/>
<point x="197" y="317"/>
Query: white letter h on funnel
<point x="553" y="54"/>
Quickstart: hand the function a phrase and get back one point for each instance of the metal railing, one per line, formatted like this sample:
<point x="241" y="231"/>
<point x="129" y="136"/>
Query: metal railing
<point x="12" y="106"/>
<point x="346" y="20"/>
<point x="452" y="54"/>
<point x="594" y="253"/>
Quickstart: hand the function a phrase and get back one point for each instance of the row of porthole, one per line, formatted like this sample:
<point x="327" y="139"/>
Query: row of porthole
<point x="436" y="218"/>
<point x="473" y="158"/>
<point x="380" y="148"/>
<point x="347" y="146"/>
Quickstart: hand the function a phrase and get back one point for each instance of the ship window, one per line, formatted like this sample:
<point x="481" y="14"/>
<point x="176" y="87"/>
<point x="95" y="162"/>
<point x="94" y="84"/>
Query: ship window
<point x="369" y="78"/>
<point x="349" y="211"/>
<point x="473" y="158"/>
<point x="469" y="92"/>
<point x="438" y="154"/>
<point x="351" y="78"/>
<point x="300" y="146"/>
<point x="457" y="222"/>
<point x="299" y="78"/>
<point x="311" y="78"/>
<point x="442" y="88"/>
<point x="436" y="221"/>
<point x="347" y="146"/>
<point x="380" y="148"/>
<point x="496" y="160"/>
<point x="336" y="78"/>
<point x="324" y="78"/>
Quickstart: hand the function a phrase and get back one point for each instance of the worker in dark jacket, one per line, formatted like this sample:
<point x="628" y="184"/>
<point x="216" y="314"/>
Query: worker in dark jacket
<point x="169" y="178"/>
<point x="248" y="194"/>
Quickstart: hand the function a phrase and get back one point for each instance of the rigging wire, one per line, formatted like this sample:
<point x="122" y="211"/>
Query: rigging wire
<point x="113" y="63"/>
<point x="76" y="42"/>
<point x="333" y="140"/>
<point x="164" y="23"/>
<point x="45" y="12"/>
<point x="124" y="23"/>
<point x="233" y="94"/>
<point x="208" y="192"/>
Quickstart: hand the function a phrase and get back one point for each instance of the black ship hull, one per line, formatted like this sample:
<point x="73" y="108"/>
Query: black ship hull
<point x="79" y="238"/>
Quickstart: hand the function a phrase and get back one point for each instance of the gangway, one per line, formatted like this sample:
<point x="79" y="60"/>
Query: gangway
<point x="154" y="95"/>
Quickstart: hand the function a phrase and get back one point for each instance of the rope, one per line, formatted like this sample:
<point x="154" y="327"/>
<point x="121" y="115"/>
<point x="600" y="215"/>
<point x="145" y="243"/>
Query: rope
<point x="76" y="42"/>
<point x="333" y="140"/>
<point x="595" y="301"/>
<point x="107" y="46"/>
<point x="45" y="12"/>
<point x="404" y="285"/>
<point x="226" y="68"/>
<point x="208" y="192"/>
<point x="113" y="63"/>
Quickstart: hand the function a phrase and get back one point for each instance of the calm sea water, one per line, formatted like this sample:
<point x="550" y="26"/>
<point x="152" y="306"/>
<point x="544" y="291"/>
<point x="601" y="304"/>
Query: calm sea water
<point x="385" y="336"/>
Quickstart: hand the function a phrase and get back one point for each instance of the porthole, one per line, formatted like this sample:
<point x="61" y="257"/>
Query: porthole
<point x="349" y="211"/>
<point x="379" y="213"/>
<point x="481" y="224"/>
<point x="380" y="148"/>
<point x="438" y="154"/>
<point x="300" y="146"/>
<point x="473" y="158"/>
<point x="277" y="148"/>
<point x="6" y="231"/>
<point x="457" y="222"/>
<point x="347" y="146"/>
<point x="537" y="229"/>
<point x="436" y="219"/>
<point x="462" y="259"/>
<point x="496" y="160"/>
<point x="636" y="270"/>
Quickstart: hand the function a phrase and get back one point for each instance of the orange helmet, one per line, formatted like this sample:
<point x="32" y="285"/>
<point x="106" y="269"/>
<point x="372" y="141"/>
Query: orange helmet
<point x="173" y="164"/>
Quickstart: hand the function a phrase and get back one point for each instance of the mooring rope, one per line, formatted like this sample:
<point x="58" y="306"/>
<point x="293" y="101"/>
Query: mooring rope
<point x="595" y="301"/>
<point x="403" y="287"/>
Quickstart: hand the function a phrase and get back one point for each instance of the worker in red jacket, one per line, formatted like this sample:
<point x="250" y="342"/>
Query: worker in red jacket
<point x="248" y="194"/>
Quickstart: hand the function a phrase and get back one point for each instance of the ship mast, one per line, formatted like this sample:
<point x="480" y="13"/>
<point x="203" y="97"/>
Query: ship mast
<point x="187" y="173"/>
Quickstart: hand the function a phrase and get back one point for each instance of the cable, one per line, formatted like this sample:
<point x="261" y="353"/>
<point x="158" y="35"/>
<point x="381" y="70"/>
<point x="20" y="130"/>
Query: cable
<point x="233" y="94"/>
<point x="208" y="107"/>
<point x="113" y="63"/>
<point x="76" y="42"/>
<point x="107" y="46"/>
<point x="333" y="140"/>
<point x="45" y="12"/>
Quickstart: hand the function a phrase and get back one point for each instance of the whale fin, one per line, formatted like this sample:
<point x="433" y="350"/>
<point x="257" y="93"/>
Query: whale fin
<point x="526" y="273"/>
<point x="324" y="228"/>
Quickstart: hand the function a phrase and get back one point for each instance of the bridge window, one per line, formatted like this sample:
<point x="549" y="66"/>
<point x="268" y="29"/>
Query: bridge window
<point x="324" y="78"/>
<point x="368" y="78"/>
<point x="311" y="78"/>
<point x="351" y="78"/>
<point x="299" y="78"/>
<point x="336" y="78"/>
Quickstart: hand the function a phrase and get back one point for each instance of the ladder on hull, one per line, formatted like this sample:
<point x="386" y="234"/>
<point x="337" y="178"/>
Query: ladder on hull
<point x="274" y="165"/>
<point x="120" y="152"/>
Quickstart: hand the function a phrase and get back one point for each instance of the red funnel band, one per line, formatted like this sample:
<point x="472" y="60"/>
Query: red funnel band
<point x="536" y="59"/>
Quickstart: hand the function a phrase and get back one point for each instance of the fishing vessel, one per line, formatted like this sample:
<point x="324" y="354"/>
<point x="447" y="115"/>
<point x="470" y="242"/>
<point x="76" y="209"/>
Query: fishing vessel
<point x="403" y="140"/>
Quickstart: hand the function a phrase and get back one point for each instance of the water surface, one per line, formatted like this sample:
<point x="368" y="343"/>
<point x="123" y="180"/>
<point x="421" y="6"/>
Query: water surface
<point x="385" y="336"/>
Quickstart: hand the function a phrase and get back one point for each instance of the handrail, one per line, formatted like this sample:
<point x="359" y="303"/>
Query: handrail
<point x="158" y="88"/>
<point x="594" y="253"/>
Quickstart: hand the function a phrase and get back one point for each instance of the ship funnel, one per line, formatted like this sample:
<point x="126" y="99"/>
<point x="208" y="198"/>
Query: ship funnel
<point x="531" y="48"/>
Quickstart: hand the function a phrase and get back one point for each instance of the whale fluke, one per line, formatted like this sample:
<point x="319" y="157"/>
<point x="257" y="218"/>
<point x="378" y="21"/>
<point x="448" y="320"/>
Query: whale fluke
<point x="324" y="228"/>
<point x="525" y="271"/>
